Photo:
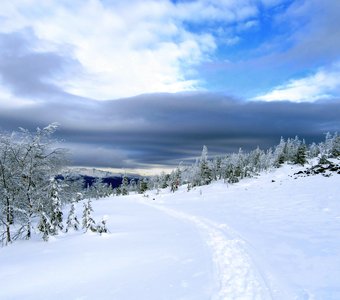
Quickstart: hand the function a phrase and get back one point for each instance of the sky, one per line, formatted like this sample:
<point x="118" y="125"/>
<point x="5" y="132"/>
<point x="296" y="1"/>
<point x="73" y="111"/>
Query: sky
<point x="144" y="84"/>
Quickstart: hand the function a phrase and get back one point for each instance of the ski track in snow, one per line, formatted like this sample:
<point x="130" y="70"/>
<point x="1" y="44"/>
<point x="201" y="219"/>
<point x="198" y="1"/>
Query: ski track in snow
<point x="236" y="274"/>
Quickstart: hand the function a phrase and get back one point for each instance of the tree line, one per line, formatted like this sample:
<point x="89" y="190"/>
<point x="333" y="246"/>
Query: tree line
<point x="232" y="167"/>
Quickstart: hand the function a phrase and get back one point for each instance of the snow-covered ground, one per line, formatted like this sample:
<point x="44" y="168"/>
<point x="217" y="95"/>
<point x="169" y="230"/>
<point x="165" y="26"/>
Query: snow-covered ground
<point x="272" y="237"/>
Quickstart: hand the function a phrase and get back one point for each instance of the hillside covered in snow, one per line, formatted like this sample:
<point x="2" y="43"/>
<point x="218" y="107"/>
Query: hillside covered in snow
<point x="276" y="236"/>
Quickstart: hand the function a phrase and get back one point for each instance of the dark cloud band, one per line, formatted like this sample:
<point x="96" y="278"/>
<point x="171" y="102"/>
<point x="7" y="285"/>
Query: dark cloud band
<point x="164" y="129"/>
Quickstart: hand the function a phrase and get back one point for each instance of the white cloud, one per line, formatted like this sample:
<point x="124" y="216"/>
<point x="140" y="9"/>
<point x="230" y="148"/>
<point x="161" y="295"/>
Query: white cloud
<point x="126" y="47"/>
<point x="325" y="83"/>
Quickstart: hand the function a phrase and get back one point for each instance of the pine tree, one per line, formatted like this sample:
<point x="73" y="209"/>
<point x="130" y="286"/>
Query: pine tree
<point x="101" y="228"/>
<point x="45" y="226"/>
<point x="88" y="222"/>
<point x="301" y="155"/>
<point x="205" y="171"/>
<point x="216" y="170"/>
<point x="175" y="180"/>
<point x="133" y="185"/>
<point x="314" y="150"/>
<point x="56" y="212"/>
<point x="164" y="180"/>
<point x="280" y="153"/>
<point x="335" y="150"/>
<point x="72" y="220"/>
<point x="142" y="185"/>
<point x="79" y="196"/>
<point x="125" y="185"/>
<point x="118" y="191"/>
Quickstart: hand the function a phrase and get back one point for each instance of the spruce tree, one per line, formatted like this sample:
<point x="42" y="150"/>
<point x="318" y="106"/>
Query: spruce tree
<point x="45" y="226"/>
<point x="205" y="171"/>
<point x="72" y="220"/>
<point x="335" y="150"/>
<point x="280" y="152"/>
<point x="56" y="212"/>
<point x="101" y="228"/>
<point x="142" y="185"/>
<point x="88" y="222"/>
<point x="125" y="185"/>
<point x="175" y="180"/>
<point x="301" y="155"/>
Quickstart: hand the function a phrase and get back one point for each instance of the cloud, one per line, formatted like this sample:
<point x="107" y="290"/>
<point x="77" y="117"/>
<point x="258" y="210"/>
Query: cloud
<point x="7" y="99"/>
<point x="27" y="73"/>
<point x="314" y="26"/>
<point x="165" y="129"/>
<point x="324" y="84"/>
<point x="125" y="48"/>
<point x="291" y="40"/>
<point x="98" y="155"/>
<point x="58" y="57"/>
<point x="111" y="49"/>
<point x="130" y="49"/>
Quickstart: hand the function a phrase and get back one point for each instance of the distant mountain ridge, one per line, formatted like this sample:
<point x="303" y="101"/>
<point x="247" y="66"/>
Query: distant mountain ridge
<point x="92" y="172"/>
<point x="89" y="175"/>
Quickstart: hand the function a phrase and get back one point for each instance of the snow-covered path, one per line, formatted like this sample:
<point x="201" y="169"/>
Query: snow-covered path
<point x="236" y="275"/>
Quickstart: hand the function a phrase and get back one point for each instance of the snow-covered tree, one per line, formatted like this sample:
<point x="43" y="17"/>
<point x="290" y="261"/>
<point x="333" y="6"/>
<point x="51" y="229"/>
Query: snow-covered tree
<point x="331" y="146"/>
<point x="313" y="150"/>
<point x="56" y="209"/>
<point x="133" y="185"/>
<point x="216" y="168"/>
<point x="301" y="155"/>
<point x="175" y="179"/>
<point x="72" y="220"/>
<point x="27" y="162"/>
<point x="99" y="189"/>
<point x="205" y="173"/>
<point x="142" y="185"/>
<point x="336" y="146"/>
<point x="164" y="180"/>
<point x="201" y="170"/>
<point x="125" y="185"/>
<point x="101" y="228"/>
<point x="280" y="152"/>
<point x="45" y="226"/>
<point x="87" y="221"/>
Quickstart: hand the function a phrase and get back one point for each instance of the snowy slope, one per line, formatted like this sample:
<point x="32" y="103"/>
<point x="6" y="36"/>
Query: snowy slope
<point x="272" y="237"/>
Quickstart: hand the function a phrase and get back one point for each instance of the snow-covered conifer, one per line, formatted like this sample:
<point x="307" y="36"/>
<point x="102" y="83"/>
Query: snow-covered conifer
<point x="72" y="220"/>
<point x="56" y="209"/>
<point x="125" y="185"/>
<point x="301" y="155"/>
<point x="175" y="179"/>
<point x="44" y="225"/>
<point x="87" y="221"/>
<point x="101" y="228"/>
<point x="133" y="185"/>
<point x="142" y="185"/>
<point x="280" y="153"/>
<point x="164" y="180"/>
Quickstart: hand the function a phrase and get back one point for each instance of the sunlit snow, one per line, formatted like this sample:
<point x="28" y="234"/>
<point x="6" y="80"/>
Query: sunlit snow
<point x="272" y="237"/>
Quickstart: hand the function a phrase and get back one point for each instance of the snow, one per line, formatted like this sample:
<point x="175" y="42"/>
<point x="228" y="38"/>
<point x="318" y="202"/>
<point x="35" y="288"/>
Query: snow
<point x="272" y="237"/>
<point x="92" y="172"/>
